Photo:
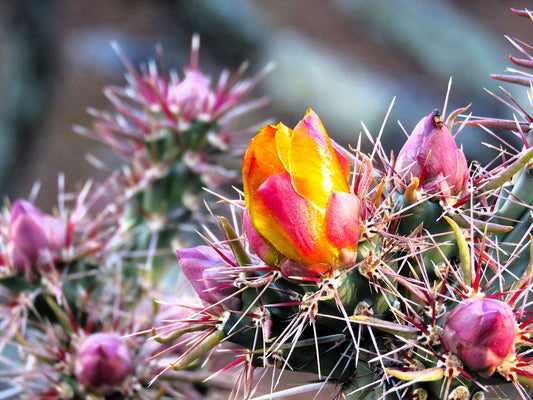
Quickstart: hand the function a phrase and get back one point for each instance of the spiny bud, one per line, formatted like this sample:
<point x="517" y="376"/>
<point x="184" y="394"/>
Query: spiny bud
<point x="431" y="155"/>
<point x="34" y="239"/>
<point x="481" y="332"/>
<point x="103" y="362"/>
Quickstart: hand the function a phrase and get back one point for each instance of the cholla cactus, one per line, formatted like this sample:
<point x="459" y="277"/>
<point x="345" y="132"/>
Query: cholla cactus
<point x="176" y="135"/>
<point x="400" y="277"/>
<point x="76" y="305"/>
<point x="387" y="278"/>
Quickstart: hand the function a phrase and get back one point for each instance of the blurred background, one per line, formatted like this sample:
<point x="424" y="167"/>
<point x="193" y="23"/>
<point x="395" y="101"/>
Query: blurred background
<point x="347" y="59"/>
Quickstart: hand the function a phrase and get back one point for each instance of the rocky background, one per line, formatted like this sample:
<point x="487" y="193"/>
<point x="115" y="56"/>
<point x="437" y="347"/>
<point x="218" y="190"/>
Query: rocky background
<point x="347" y="59"/>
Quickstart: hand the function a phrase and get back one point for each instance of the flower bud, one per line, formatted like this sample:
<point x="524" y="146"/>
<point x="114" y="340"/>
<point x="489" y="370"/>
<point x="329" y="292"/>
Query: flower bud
<point x="299" y="200"/>
<point x="34" y="239"/>
<point x="431" y="155"/>
<point x="103" y="362"/>
<point x="481" y="332"/>
<point x="211" y="276"/>
<point x="192" y="97"/>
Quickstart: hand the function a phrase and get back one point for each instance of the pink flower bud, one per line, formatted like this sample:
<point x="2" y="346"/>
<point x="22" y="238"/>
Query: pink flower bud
<point x="34" y="239"/>
<point x="103" y="362"/>
<point x="481" y="332"/>
<point x="431" y="155"/>
<point x="211" y="276"/>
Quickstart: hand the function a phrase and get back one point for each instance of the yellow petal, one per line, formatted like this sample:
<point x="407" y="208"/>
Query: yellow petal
<point x="283" y="142"/>
<point x="314" y="166"/>
<point x="426" y="375"/>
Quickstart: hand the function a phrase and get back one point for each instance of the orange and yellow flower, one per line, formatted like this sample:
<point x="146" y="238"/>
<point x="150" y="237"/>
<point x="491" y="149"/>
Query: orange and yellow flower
<point x="301" y="215"/>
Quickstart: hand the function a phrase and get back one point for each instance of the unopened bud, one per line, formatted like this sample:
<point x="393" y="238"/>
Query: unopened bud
<point x="103" y="362"/>
<point x="431" y="155"/>
<point x="481" y="332"/>
<point x="34" y="239"/>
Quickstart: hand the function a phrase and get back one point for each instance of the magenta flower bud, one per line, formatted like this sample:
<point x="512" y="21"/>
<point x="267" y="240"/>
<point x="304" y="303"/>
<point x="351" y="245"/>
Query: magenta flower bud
<point x="431" y="155"/>
<point x="34" y="239"/>
<point x="103" y="362"/>
<point x="481" y="332"/>
<point x="211" y="276"/>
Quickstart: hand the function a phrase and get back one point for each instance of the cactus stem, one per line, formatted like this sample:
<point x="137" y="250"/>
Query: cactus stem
<point x="491" y="227"/>
<point x="346" y="318"/>
<point x="519" y="285"/>
<point x="282" y="394"/>
<point x="252" y="304"/>
<point x="65" y="319"/>
<point x="159" y="339"/>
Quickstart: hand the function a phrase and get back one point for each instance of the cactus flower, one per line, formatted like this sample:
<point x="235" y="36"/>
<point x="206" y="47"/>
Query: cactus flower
<point x="211" y="276"/>
<point x="299" y="200"/>
<point x="34" y="239"/>
<point x="481" y="332"/>
<point x="431" y="155"/>
<point x="103" y="362"/>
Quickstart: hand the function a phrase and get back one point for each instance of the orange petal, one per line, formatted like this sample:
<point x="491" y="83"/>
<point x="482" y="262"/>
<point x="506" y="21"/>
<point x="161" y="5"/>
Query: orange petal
<point x="260" y="161"/>
<point x="314" y="166"/>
